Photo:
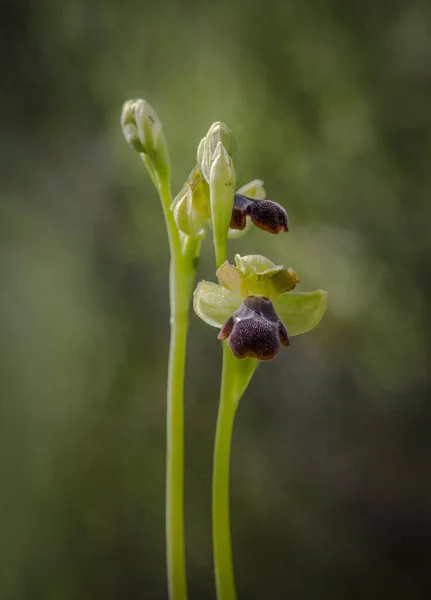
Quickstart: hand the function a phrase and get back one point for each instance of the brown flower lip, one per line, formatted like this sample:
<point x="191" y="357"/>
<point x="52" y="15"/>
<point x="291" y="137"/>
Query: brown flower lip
<point x="265" y="214"/>
<point x="254" y="330"/>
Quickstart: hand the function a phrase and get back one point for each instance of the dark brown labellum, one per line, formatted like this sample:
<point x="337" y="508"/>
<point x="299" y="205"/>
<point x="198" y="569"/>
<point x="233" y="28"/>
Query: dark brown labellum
<point x="241" y="208"/>
<point x="265" y="214"/>
<point x="269" y="216"/>
<point x="254" y="330"/>
<point x="238" y="219"/>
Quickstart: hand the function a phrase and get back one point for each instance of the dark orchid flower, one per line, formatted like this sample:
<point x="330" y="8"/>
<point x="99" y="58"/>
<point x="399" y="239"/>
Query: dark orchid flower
<point x="192" y="213"/>
<point x="255" y="307"/>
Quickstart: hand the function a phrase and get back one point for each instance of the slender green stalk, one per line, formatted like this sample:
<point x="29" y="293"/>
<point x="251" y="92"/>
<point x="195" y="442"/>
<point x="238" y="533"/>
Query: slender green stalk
<point x="220" y="252"/>
<point x="236" y="376"/>
<point x="182" y="272"/>
<point x="175" y="553"/>
<point x="222" y="547"/>
<point x="225" y="583"/>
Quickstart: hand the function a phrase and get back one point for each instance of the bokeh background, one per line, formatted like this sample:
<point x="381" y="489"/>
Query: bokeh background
<point x="331" y="480"/>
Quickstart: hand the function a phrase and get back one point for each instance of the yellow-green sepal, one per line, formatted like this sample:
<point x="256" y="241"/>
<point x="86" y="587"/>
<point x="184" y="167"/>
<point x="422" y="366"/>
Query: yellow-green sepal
<point x="214" y="304"/>
<point x="301" y="312"/>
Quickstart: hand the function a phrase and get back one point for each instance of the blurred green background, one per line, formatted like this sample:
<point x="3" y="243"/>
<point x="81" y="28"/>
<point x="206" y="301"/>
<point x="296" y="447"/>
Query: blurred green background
<point x="331" y="480"/>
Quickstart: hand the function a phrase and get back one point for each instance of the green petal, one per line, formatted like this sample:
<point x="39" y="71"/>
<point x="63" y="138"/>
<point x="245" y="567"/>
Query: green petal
<point x="301" y="312"/>
<point x="214" y="304"/>
<point x="254" y="189"/>
<point x="231" y="277"/>
<point x="256" y="264"/>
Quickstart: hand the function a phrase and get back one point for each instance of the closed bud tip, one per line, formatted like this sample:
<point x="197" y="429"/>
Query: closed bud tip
<point x="209" y="148"/>
<point x="143" y="130"/>
<point x="128" y="125"/>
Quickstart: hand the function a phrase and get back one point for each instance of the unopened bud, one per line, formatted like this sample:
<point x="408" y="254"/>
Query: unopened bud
<point x="143" y="130"/>
<point x="218" y="132"/>
<point x="190" y="207"/>
<point x="222" y="191"/>
<point x="128" y="124"/>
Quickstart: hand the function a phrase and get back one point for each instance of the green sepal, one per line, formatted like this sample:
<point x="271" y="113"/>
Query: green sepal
<point x="301" y="312"/>
<point x="214" y="304"/>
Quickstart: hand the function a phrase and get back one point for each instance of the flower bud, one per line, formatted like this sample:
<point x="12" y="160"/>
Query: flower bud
<point x="222" y="191"/>
<point x="207" y="150"/>
<point x="128" y="124"/>
<point x="190" y="207"/>
<point x="143" y="130"/>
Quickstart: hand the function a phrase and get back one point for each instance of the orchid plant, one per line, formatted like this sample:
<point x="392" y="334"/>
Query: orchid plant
<point x="253" y="304"/>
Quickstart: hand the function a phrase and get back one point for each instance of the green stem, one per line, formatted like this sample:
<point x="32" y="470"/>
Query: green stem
<point x="175" y="552"/>
<point x="236" y="375"/>
<point x="182" y="271"/>
<point x="220" y="251"/>
<point x="225" y="583"/>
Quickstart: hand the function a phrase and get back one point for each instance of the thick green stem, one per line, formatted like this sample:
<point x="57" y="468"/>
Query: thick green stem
<point x="225" y="583"/>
